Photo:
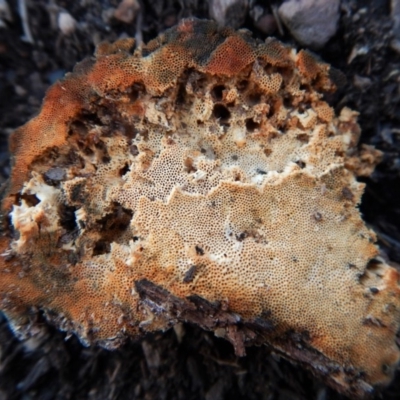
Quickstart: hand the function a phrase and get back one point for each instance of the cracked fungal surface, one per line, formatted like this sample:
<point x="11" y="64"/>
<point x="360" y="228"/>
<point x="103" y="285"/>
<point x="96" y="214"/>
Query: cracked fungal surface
<point x="201" y="178"/>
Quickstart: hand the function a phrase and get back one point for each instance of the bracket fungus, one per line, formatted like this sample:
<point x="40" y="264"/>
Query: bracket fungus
<point x="201" y="178"/>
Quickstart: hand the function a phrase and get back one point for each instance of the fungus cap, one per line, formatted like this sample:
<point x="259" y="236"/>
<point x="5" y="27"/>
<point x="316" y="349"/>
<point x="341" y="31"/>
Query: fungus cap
<point x="201" y="178"/>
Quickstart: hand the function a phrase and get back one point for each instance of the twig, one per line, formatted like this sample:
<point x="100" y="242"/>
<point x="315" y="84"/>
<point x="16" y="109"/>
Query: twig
<point x="278" y="20"/>
<point x="23" y="12"/>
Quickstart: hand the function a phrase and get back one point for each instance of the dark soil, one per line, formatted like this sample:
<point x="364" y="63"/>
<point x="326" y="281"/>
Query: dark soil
<point x="186" y="362"/>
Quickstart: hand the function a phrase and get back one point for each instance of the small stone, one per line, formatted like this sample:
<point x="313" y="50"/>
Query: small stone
<point x="311" y="22"/>
<point x="228" y="12"/>
<point x="362" y="82"/>
<point x="5" y="13"/>
<point x="19" y="90"/>
<point x="126" y="11"/>
<point x="256" y="13"/>
<point x="54" y="175"/>
<point x="266" y="24"/>
<point x="107" y="15"/>
<point x="395" y="14"/>
<point x="66" y="23"/>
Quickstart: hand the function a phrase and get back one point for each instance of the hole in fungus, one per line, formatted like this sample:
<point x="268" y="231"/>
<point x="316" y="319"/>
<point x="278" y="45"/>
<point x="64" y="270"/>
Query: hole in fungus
<point x="111" y="227"/>
<point x="242" y="85"/>
<point x="241" y="236"/>
<point x="197" y="80"/>
<point x="129" y="131"/>
<point x="339" y="153"/>
<point x="199" y="251"/>
<point x="270" y="112"/>
<point x="301" y="164"/>
<point x="303" y="86"/>
<point x="303" y="137"/>
<point x="134" y="150"/>
<point x="84" y="148"/>
<point x="221" y="113"/>
<point x="287" y="102"/>
<point x="253" y="99"/>
<point x="190" y="274"/>
<point x="267" y="152"/>
<point x="144" y="135"/>
<point x="235" y="157"/>
<point x="236" y="177"/>
<point x="77" y="127"/>
<point x="135" y="91"/>
<point x="115" y="222"/>
<point x="181" y="94"/>
<point x="124" y="170"/>
<point x="98" y="144"/>
<point x="77" y="193"/>
<point x="199" y="123"/>
<point x="386" y="369"/>
<point x="30" y="199"/>
<point x="251" y="125"/>
<point x="133" y="94"/>
<point x="73" y="258"/>
<point x="373" y="273"/>
<point x="92" y="118"/>
<point x="375" y="266"/>
<point x="101" y="247"/>
<point x="67" y="217"/>
<point x="286" y="72"/>
<point x="106" y="159"/>
<point x="261" y="172"/>
<point x="72" y="158"/>
<point x="189" y="167"/>
<point x="217" y="92"/>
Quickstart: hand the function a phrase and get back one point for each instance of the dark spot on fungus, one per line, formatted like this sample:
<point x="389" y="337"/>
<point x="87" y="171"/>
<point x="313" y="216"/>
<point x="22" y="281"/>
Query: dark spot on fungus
<point x="251" y="125"/>
<point x="217" y="92"/>
<point x="199" y="251"/>
<point x="301" y="164"/>
<point x="190" y="274"/>
<point x="303" y="137"/>
<point x="124" y="170"/>
<point x="317" y="216"/>
<point x="347" y="193"/>
<point x="77" y="193"/>
<point x="267" y="152"/>
<point x="241" y="236"/>
<point x="254" y="99"/>
<point x="189" y="166"/>
<point x="67" y="217"/>
<point x="101" y="247"/>
<point x="30" y="199"/>
<point x="134" y="149"/>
